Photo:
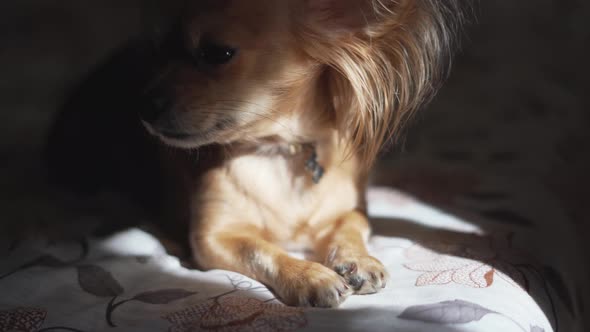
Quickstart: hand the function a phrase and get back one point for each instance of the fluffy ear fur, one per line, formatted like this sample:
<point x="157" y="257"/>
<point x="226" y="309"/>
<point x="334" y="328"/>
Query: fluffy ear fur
<point x="389" y="60"/>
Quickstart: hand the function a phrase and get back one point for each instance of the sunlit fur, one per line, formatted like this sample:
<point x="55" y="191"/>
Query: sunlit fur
<point x="341" y="76"/>
<point x="364" y="75"/>
<point x="385" y="71"/>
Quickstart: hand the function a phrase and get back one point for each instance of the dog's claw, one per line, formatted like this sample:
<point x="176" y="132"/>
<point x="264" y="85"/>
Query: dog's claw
<point x="364" y="274"/>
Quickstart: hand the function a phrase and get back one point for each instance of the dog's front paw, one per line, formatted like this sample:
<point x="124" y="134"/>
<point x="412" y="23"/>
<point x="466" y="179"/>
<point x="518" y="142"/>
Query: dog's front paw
<point x="313" y="285"/>
<point x="365" y="274"/>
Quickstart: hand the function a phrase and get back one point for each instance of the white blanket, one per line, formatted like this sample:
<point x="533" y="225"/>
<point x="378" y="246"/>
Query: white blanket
<point x="447" y="275"/>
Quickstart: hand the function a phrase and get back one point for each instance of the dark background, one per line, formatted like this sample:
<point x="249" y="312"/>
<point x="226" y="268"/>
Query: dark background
<point x="522" y="60"/>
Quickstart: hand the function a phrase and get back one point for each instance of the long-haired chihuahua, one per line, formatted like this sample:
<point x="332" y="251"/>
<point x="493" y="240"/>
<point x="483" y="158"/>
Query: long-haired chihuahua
<point x="266" y="116"/>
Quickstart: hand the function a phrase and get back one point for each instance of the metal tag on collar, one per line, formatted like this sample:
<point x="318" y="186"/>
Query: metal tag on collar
<point x="312" y="165"/>
<point x="295" y="148"/>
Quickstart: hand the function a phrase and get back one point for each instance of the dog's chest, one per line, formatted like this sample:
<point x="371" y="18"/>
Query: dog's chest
<point x="278" y="193"/>
<point x="275" y="182"/>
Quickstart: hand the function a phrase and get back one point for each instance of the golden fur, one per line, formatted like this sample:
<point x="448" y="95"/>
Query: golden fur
<point x="341" y="76"/>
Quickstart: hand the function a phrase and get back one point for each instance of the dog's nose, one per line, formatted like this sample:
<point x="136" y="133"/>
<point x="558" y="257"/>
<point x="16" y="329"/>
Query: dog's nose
<point x="155" y="108"/>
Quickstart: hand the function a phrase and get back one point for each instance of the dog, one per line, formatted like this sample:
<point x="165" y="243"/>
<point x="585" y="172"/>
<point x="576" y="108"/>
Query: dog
<point x="257" y="123"/>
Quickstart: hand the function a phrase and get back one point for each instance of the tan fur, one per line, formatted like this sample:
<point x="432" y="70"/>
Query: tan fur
<point x="341" y="74"/>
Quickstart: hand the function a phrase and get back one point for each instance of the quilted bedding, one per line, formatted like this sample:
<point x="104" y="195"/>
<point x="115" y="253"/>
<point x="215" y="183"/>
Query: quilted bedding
<point x="448" y="274"/>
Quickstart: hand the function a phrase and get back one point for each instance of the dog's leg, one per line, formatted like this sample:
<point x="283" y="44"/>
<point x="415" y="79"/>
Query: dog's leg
<point x="342" y="248"/>
<point x="296" y="282"/>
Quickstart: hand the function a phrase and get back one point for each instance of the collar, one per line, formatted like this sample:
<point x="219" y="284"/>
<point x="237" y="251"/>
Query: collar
<point x="312" y="165"/>
<point x="291" y="150"/>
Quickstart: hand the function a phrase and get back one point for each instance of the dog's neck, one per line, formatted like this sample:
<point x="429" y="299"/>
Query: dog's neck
<point x="304" y="151"/>
<point x="302" y="134"/>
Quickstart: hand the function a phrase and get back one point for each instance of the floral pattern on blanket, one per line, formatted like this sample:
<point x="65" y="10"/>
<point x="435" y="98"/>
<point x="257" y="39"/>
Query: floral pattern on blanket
<point x="28" y="320"/>
<point x="22" y="319"/>
<point x="466" y="276"/>
<point x="231" y="313"/>
<point x="455" y="312"/>
<point x="441" y="267"/>
<point x="481" y="266"/>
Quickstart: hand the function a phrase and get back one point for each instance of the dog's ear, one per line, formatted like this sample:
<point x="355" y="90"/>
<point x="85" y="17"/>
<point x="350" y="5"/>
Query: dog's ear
<point x="385" y="58"/>
<point x="340" y="16"/>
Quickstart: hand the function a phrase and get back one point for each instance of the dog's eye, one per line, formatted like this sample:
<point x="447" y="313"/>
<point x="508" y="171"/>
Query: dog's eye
<point x="213" y="54"/>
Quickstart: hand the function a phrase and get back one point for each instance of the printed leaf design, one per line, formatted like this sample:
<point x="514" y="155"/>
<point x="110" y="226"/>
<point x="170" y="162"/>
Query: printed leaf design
<point x="45" y="260"/>
<point x="50" y="261"/>
<point x="556" y="281"/>
<point x="489" y="277"/>
<point x="227" y="311"/>
<point x="236" y="314"/>
<point x="163" y="296"/>
<point x="22" y="319"/>
<point x="97" y="281"/>
<point x="442" y="269"/>
<point x="447" y="312"/>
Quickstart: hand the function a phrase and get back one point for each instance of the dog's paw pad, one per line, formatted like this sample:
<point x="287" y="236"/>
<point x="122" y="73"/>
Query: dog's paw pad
<point x="364" y="274"/>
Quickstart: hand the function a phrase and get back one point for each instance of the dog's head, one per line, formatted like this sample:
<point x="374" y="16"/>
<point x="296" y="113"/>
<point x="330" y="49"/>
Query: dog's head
<point x="235" y="70"/>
